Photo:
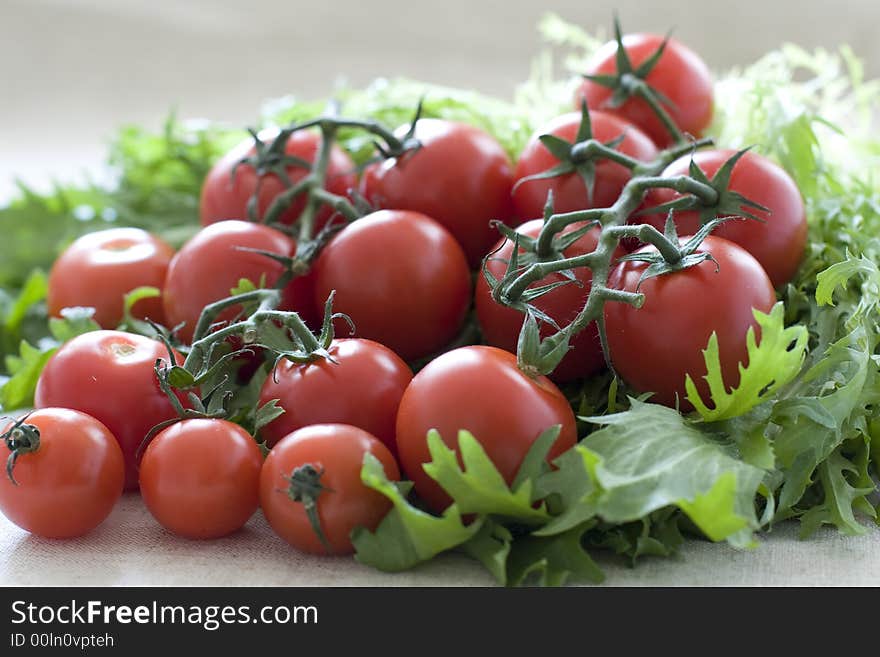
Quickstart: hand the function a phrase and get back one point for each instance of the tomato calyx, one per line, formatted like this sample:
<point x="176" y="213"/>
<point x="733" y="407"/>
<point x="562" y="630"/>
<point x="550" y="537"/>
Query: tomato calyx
<point x="305" y="487"/>
<point x="20" y="438"/>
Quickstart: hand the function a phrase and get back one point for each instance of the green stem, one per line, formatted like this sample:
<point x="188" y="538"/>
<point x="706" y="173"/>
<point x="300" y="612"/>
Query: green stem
<point x="591" y="149"/>
<point x="643" y="91"/>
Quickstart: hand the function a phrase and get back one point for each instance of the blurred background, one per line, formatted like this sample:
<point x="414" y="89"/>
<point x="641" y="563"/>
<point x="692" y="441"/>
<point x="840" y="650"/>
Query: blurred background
<point x="73" y="70"/>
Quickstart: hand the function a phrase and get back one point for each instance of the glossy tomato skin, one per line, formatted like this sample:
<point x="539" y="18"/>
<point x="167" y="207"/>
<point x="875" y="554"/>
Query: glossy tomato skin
<point x="338" y="451"/>
<point x="211" y="264"/>
<point x="70" y="484"/>
<point x="99" y="268"/>
<point x="569" y="190"/>
<point x="200" y="478"/>
<point x="779" y="240"/>
<point x="360" y="384"/>
<point x="655" y="346"/>
<point x="479" y="389"/>
<point x="501" y="325"/>
<point x="680" y="75"/>
<point x="225" y="196"/>
<point x="109" y="375"/>
<point x="461" y="177"/>
<point x="402" y="279"/>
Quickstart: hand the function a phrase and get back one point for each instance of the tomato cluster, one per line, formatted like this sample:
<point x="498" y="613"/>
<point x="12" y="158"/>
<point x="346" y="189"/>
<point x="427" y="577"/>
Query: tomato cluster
<point x="401" y="281"/>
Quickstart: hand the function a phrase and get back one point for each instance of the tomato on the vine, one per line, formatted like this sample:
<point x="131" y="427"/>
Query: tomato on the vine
<point x="680" y="76"/>
<point x="459" y="176"/>
<point x="213" y="262"/>
<point x="482" y="390"/>
<point x="402" y="279"/>
<point x="225" y="194"/>
<point x="110" y="375"/>
<point x="501" y="325"/>
<point x="778" y="239"/>
<point x="67" y="474"/>
<point x="569" y="190"/>
<point x="655" y="346"/>
<point x="311" y="490"/>
<point x="100" y="268"/>
<point x="360" y="384"/>
<point x="200" y="478"/>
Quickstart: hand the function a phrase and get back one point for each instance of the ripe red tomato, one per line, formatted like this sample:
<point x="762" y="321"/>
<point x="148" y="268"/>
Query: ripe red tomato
<point x="402" y="279"/>
<point x="569" y="191"/>
<point x="779" y="240"/>
<point x="479" y="389"/>
<point x="361" y="385"/>
<point x="655" y="346"/>
<point x="69" y="484"/>
<point x="501" y="325"/>
<point x="98" y="269"/>
<point x="110" y="376"/>
<point x="332" y="456"/>
<point x="460" y="176"/>
<point x="225" y="196"/>
<point x="200" y="478"/>
<point x="680" y="75"/>
<point x="211" y="264"/>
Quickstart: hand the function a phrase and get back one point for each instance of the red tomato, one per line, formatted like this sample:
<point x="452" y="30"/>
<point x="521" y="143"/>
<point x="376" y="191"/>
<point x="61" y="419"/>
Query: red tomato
<point x="98" y="269"/>
<point x="655" y="346"/>
<point x="361" y="384"/>
<point x="200" y="478"/>
<point x="779" y="241"/>
<point x="225" y="196"/>
<point x="335" y="453"/>
<point x="680" y="75"/>
<point x="501" y="325"/>
<point x="69" y="484"/>
<point x="460" y="176"/>
<point x="110" y="376"/>
<point x="402" y="279"/>
<point x="569" y="191"/>
<point x="211" y="264"/>
<point x="479" y="389"/>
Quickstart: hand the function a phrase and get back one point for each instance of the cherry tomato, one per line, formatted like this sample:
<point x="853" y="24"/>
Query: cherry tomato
<point x="110" y="376"/>
<point x="779" y="240"/>
<point x="212" y="263"/>
<point x="501" y="325"/>
<point x="460" y="176"/>
<point x="402" y="279"/>
<point x="98" y="269"/>
<point x="329" y="457"/>
<point x="655" y="346"/>
<point x="360" y="384"/>
<point x="569" y="190"/>
<point x="680" y="76"/>
<point x="200" y="478"/>
<point x="68" y="485"/>
<point x="225" y="196"/>
<point x="479" y="389"/>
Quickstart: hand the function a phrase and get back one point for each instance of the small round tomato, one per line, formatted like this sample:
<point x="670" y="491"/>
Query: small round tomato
<point x="110" y="375"/>
<point x="479" y="389"/>
<point x="200" y="478"/>
<point x="460" y="176"/>
<point x="225" y="196"/>
<point x="213" y="262"/>
<point x="779" y="240"/>
<point x="321" y="466"/>
<point x="569" y="190"/>
<point x="654" y="347"/>
<point x="100" y="268"/>
<point x="501" y="325"/>
<point x="67" y="475"/>
<point x="360" y="384"/>
<point x="402" y="279"/>
<point x="679" y="75"/>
